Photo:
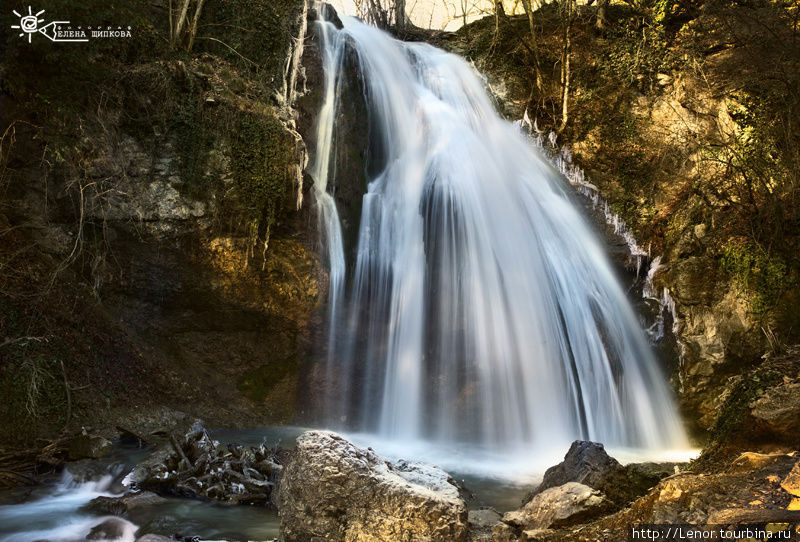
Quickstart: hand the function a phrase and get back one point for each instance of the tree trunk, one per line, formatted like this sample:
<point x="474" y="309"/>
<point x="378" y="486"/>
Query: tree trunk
<point x="181" y="22"/>
<point x="196" y="18"/>
<point x="526" y="4"/>
<point x="600" y="23"/>
<point x="400" y="15"/>
<point x="499" y="13"/>
<point x="171" y="23"/>
<point x="567" y="16"/>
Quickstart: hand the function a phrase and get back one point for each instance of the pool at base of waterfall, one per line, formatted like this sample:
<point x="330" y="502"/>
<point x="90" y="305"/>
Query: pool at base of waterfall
<point x="57" y="511"/>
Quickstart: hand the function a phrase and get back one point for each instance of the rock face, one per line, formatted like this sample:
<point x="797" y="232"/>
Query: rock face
<point x="334" y="490"/>
<point x="778" y="410"/>
<point x="751" y="489"/>
<point x="189" y="211"/>
<point x="567" y="504"/>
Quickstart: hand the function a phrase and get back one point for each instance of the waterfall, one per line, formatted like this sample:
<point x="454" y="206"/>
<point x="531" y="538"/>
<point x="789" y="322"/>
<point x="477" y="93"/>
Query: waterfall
<point x="478" y="306"/>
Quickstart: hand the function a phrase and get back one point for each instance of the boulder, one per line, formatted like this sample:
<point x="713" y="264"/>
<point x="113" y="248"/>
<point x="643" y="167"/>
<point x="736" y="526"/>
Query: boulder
<point x="561" y="506"/>
<point x="154" y="538"/>
<point x="777" y="411"/>
<point x="332" y="489"/>
<point x="587" y="463"/>
<point x="536" y="535"/>
<point x="503" y="532"/>
<point x="122" y="506"/>
<point x="112" y="529"/>
<point x="88" y="447"/>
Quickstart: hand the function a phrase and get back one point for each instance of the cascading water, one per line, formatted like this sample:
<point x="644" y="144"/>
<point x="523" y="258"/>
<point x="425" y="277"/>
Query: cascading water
<point x="479" y="306"/>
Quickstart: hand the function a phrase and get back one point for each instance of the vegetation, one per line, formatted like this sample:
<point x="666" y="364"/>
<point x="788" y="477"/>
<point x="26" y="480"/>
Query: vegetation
<point x="201" y="78"/>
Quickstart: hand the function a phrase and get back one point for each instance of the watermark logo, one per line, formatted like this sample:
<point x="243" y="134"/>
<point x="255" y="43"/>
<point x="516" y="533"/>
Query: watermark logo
<point x="30" y="25"/>
<point x="62" y="31"/>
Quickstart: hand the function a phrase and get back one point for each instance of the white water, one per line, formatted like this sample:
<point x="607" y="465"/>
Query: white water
<point x="479" y="307"/>
<point x="56" y="515"/>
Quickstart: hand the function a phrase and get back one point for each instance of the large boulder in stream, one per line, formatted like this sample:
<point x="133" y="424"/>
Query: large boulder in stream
<point x="332" y="489"/>
<point x="588" y="463"/>
<point x="585" y="463"/>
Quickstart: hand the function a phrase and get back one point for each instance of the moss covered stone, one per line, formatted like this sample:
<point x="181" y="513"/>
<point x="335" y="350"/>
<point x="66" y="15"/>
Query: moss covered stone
<point x="262" y="163"/>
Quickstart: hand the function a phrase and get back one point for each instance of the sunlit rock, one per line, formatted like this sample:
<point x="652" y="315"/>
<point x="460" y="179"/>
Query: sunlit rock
<point x="334" y="490"/>
<point x="791" y="484"/>
<point x="560" y="506"/>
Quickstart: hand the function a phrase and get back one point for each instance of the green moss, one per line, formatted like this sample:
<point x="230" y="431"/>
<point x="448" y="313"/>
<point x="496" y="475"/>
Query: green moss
<point x="636" y="54"/>
<point x="251" y="34"/>
<point x="262" y="160"/>
<point x="762" y="276"/>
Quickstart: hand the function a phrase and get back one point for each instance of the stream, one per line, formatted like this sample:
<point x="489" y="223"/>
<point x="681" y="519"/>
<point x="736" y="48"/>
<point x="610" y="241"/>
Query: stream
<point x="56" y="510"/>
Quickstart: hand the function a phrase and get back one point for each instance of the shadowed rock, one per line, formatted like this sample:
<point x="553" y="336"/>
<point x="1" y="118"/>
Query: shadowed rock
<point x="588" y="463"/>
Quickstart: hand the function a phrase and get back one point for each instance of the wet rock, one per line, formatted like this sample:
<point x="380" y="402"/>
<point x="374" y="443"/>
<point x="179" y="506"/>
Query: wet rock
<point x="122" y="506"/>
<point x="560" y="506"/>
<point x="328" y="13"/>
<point x="334" y="490"/>
<point x="197" y="466"/>
<point x="88" y="447"/>
<point x="110" y="529"/>
<point x="153" y="538"/>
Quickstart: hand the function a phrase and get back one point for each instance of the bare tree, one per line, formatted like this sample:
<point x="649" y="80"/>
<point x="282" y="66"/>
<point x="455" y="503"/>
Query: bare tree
<point x="567" y="11"/>
<point x="179" y="25"/>
<point x="400" y="15"/>
<point x="499" y="14"/>
<point x="526" y="4"/>
<point x="602" y="5"/>
<point x="176" y="28"/>
<point x="193" y="29"/>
